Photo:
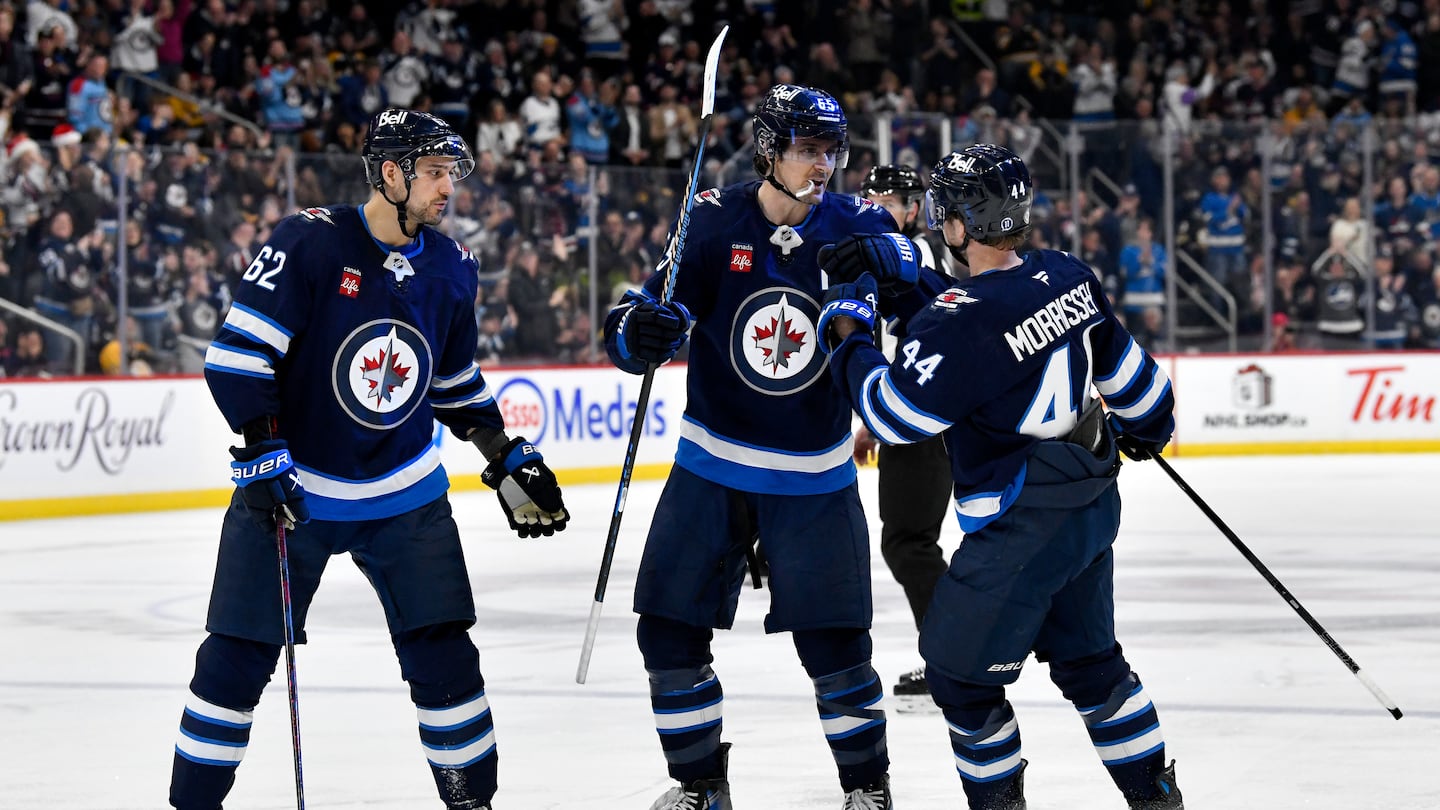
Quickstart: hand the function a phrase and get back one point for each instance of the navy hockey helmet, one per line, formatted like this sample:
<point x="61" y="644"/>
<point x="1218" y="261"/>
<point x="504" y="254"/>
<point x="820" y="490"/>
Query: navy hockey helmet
<point x="898" y="179"/>
<point x="791" y="112"/>
<point x="405" y="136"/>
<point x="987" y="187"/>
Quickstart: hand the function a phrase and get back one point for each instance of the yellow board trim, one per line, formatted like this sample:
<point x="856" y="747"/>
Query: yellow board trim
<point x="206" y="498"/>
<point x="1307" y="448"/>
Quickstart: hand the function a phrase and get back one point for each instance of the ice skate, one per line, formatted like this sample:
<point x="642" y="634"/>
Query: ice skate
<point x="701" y="794"/>
<point x="1170" y="798"/>
<point x="873" y="797"/>
<point x="912" y="693"/>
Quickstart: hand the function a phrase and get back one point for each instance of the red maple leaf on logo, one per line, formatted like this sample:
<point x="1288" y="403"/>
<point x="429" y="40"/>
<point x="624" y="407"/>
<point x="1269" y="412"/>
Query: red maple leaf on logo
<point x="778" y="343"/>
<point x="383" y="378"/>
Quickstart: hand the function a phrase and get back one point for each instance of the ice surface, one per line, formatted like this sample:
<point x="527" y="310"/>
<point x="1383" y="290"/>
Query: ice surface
<point x="100" y="617"/>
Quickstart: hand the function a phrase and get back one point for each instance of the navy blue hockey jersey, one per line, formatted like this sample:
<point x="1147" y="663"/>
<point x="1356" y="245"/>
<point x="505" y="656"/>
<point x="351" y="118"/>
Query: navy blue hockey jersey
<point x="357" y="348"/>
<point x="999" y="362"/>
<point x="760" y="414"/>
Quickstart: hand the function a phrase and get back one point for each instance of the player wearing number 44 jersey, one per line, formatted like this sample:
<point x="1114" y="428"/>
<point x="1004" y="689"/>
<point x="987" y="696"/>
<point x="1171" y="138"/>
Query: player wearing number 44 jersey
<point x="353" y="332"/>
<point x="1002" y="364"/>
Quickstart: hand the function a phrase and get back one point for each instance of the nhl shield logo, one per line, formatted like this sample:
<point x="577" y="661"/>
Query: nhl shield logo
<point x="772" y="342"/>
<point x="381" y="372"/>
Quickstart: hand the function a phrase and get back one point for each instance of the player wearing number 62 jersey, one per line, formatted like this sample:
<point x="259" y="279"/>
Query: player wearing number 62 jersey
<point x="352" y="333"/>
<point x="1002" y="364"/>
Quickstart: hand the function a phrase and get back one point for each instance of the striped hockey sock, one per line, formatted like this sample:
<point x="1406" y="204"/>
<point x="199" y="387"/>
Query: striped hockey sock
<point x="1126" y="733"/>
<point x="851" y="713"/>
<point x="689" y="708"/>
<point x="459" y="742"/>
<point x="987" y="756"/>
<point x="210" y="745"/>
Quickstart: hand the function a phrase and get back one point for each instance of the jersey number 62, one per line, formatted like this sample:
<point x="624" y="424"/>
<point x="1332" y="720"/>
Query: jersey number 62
<point x="267" y="265"/>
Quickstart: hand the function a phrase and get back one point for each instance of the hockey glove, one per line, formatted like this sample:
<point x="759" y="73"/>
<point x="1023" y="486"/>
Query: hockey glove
<point x="1134" y="447"/>
<point x="653" y="332"/>
<point x="526" y="489"/>
<point x="268" y="480"/>
<point x="889" y="257"/>
<point x="856" y="300"/>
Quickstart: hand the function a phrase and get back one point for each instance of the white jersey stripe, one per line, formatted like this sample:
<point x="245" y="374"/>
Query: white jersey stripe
<point x="736" y="453"/>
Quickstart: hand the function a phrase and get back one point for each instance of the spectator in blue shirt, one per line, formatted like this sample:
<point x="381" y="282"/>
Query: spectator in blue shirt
<point x="1225" y="214"/>
<point x="1143" y="266"/>
<point x="88" y="100"/>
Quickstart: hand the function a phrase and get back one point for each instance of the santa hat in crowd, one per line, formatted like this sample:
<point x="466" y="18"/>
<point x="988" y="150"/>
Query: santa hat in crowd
<point x="65" y="135"/>
<point x="17" y="146"/>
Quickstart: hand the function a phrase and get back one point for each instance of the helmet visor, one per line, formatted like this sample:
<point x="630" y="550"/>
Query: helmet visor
<point x="835" y="154"/>
<point x="934" y="210"/>
<point x="452" y="147"/>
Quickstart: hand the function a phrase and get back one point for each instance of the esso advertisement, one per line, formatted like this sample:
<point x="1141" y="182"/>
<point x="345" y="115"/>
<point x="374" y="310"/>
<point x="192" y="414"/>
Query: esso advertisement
<point x="582" y="418"/>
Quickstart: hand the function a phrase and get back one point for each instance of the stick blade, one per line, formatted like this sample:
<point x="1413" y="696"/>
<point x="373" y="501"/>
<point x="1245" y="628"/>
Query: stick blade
<point x="712" y="66"/>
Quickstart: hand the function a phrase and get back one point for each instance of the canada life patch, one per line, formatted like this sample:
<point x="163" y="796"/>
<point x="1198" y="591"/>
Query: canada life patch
<point x="742" y="257"/>
<point x="350" y="283"/>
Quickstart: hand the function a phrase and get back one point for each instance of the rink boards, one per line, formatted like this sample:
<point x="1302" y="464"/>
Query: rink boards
<point x="94" y="446"/>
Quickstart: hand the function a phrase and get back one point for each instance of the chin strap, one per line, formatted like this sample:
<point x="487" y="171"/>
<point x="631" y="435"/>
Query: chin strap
<point x="400" y="214"/>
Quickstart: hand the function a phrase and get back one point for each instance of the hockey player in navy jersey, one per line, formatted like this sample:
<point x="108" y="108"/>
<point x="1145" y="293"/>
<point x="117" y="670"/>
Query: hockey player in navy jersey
<point x="352" y="333"/>
<point x="1002" y="365"/>
<point x="764" y="447"/>
<point x="914" y="486"/>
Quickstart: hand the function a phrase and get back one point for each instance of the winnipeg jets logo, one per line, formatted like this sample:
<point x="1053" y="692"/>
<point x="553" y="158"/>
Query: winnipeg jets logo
<point x="384" y="372"/>
<point x="1042" y="277"/>
<point x="381" y="372"/>
<point x="709" y="195"/>
<point x="772" y="345"/>
<point x="779" y="340"/>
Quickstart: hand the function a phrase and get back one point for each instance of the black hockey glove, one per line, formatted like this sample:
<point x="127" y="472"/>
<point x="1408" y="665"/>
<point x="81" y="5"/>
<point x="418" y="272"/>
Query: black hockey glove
<point x="526" y="489"/>
<point x="267" y="480"/>
<point x="653" y="332"/>
<point x="1134" y="447"/>
<point x="856" y="300"/>
<point x="889" y="257"/>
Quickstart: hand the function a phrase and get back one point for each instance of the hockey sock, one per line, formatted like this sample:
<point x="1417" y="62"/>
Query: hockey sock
<point x="851" y="713"/>
<point x="685" y="696"/>
<point x="986" y="744"/>
<point x="457" y="731"/>
<point x="848" y="697"/>
<point x="689" y="707"/>
<point x="459" y="742"/>
<point x="230" y="674"/>
<point x="1126" y="732"/>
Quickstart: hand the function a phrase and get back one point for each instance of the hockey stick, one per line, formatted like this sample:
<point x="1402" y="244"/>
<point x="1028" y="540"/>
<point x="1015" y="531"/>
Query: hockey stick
<point x="671" y="264"/>
<point x="291" y="688"/>
<point x="1282" y="590"/>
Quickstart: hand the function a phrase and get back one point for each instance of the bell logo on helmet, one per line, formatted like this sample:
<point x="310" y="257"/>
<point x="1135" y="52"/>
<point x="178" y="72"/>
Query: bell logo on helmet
<point x="392" y="117"/>
<point x="788" y="92"/>
<point x="961" y="163"/>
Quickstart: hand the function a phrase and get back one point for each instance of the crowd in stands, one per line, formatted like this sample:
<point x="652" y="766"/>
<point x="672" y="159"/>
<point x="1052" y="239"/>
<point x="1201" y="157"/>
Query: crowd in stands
<point x="215" y="119"/>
